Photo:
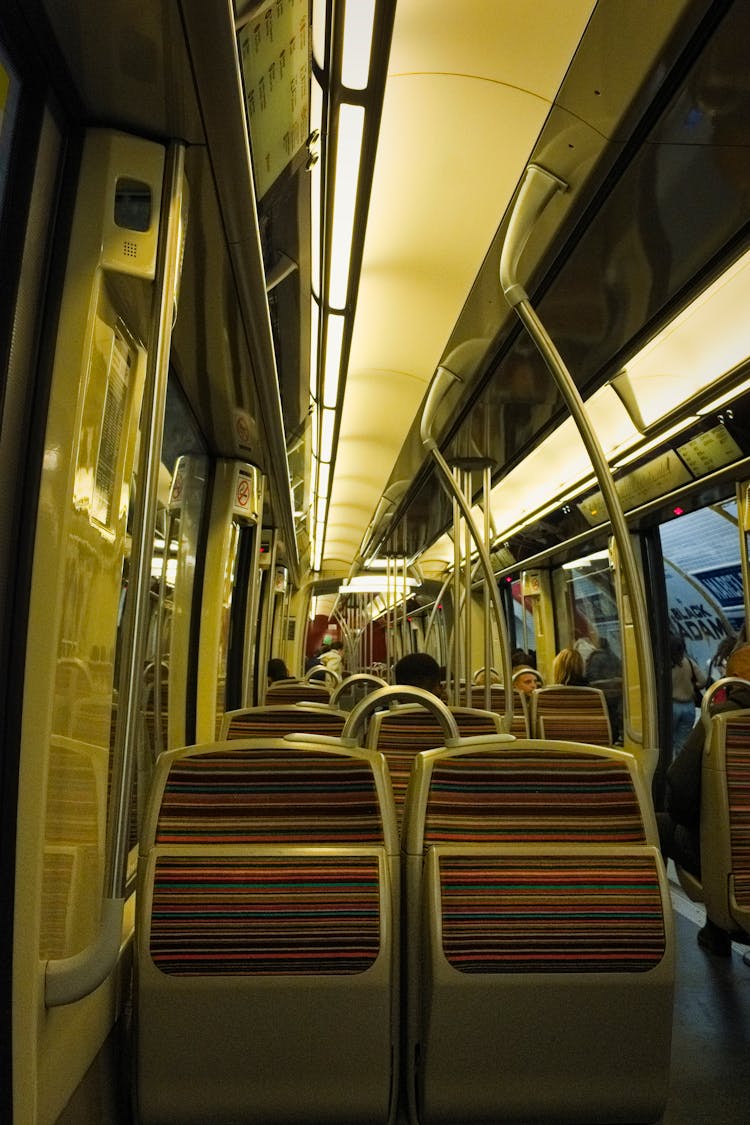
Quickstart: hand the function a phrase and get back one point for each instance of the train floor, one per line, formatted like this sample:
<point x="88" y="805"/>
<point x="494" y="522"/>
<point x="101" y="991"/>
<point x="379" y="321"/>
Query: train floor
<point x="710" y="1073"/>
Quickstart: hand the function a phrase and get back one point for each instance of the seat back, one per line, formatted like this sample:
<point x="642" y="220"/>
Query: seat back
<point x="296" y="691"/>
<point x="538" y="931"/>
<point x="725" y="820"/>
<point x="576" y="714"/>
<point x="280" y="720"/>
<point x="267" y="925"/>
<point x="476" y="698"/>
<point x="400" y="734"/>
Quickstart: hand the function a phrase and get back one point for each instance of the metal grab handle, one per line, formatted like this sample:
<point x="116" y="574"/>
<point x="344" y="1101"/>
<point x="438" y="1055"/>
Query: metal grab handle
<point x="406" y="694"/>
<point x="358" y="678"/>
<point x="322" y="668"/>
<point x="710" y="692"/>
<point x="538" y="188"/>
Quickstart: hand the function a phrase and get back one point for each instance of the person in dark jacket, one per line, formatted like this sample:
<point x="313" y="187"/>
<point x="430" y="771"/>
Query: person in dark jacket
<point x="679" y="824"/>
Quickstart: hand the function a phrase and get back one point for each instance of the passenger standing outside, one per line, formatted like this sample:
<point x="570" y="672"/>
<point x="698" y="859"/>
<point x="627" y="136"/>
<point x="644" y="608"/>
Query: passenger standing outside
<point x="687" y="678"/>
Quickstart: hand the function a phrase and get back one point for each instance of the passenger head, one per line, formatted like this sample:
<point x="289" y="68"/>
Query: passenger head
<point x="526" y="680"/>
<point x="418" y="669"/>
<point x="676" y="649"/>
<point x="277" y="670"/>
<point x="738" y="663"/>
<point x="567" y="667"/>
<point x="480" y="677"/>
<point x="519" y="658"/>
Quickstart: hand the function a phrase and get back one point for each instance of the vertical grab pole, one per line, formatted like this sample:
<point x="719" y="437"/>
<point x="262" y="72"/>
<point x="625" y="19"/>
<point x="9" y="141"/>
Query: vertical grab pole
<point x="466" y="488"/>
<point x="456" y="591"/>
<point x="434" y="395"/>
<point x="536" y="191"/>
<point x="72" y="978"/>
<point x="486" y="489"/>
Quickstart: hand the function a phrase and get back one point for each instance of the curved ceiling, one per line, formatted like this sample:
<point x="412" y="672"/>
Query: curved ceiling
<point x="468" y="91"/>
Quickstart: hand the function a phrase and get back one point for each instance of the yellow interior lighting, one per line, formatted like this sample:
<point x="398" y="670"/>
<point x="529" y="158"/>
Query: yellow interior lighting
<point x="355" y="61"/>
<point x="709" y="338"/>
<point x="348" y="152"/>
<point x="334" y="343"/>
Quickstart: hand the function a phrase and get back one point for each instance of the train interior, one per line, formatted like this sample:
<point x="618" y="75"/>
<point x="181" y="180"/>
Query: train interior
<point x="355" y="329"/>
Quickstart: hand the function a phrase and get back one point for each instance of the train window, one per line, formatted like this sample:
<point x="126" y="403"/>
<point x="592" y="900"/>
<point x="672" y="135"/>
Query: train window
<point x="523" y="633"/>
<point x="703" y="577"/>
<point x="9" y="93"/>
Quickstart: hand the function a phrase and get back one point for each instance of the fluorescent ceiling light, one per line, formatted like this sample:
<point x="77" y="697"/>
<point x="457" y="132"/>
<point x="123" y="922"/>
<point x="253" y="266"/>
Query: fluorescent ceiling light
<point x="355" y="63"/>
<point x="649" y="445"/>
<point x="324" y="476"/>
<point x="314" y="322"/>
<point x="374" y="584"/>
<point x="334" y="342"/>
<point x="348" y="151"/>
<point x="316" y="119"/>
<point x="579" y="564"/>
<point x="728" y="396"/>
<point x="705" y="341"/>
<point x="319" y="31"/>
<point x="327" y="425"/>
<point x="560" y="464"/>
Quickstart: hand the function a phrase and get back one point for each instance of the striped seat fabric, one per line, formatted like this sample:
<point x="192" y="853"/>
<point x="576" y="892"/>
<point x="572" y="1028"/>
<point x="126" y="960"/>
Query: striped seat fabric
<point x="270" y="915"/>
<point x="267" y="935"/>
<point x="476" y="698"/>
<point x="531" y="795"/>
<point x="737" y="758"/>
<point x="272" y="796"/>
<point x="550" y="914"/>
<point x="538" y="933"/>
<point x="577" y="714"/>
<point x="724" y="885"/>
<point x="275" y="722"/>
<point x="403" y="733"/>
<point x="297" y="691"/>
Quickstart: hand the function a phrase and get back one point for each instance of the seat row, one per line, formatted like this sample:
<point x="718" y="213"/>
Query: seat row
<point x="511" y="959"/>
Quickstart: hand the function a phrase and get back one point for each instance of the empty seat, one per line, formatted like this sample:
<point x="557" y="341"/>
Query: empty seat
<point x="576" y="714"/>
<point x="296" y="691"/>
<point x="277" y="721"/>
<point x="267" y="940"/>
<point x="402" y="733"/>
<point x="724" y="885"/>
<point x="539" y="937"/>
<point x="520" y="727"/>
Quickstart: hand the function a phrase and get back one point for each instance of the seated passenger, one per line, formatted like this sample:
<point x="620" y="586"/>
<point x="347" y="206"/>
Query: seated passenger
<point x="526" y="680"/>
<point x="567" y="668"/>
<point x="480" y="679"/>
<point x="277" y="670"/>
<point x="418" y="669"/>
<point x="679" y="825"/>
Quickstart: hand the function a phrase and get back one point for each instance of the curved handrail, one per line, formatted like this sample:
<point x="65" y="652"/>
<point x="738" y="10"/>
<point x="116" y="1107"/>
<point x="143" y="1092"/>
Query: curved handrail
<point x="373" y="701"/>
<point x="725" y="682"/>
<point x="358" y="678"/>
<point x="538" y="187"/>
<point x="322" y="668"/>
